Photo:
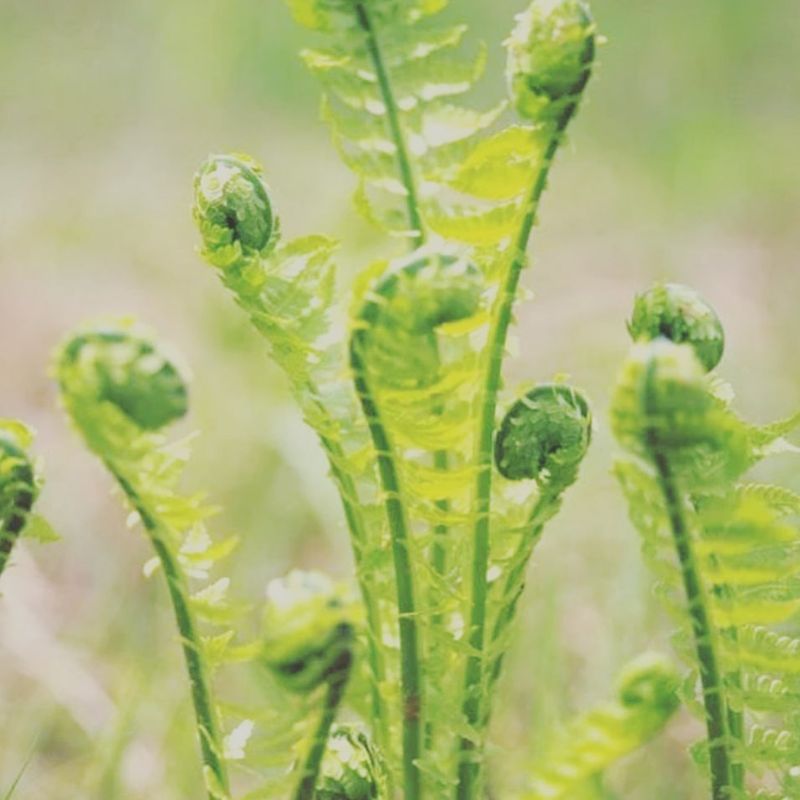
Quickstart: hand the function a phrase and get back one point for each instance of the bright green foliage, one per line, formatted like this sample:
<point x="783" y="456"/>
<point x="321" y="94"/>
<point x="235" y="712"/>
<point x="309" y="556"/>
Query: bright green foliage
<point x="724" y="553"/>
<point x="19" y="485"/>
<point x="646" y="699"/>
<point x="550" y="55"/>
<point x="308" y="629"/>
<point x="679" y="314"/>
<point x="352" y="770"/>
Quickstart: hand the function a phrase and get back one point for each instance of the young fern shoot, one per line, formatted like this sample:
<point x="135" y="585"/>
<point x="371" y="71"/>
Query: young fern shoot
<point x="120" y="390"/>
<point x="307" y="644"/>
<point x="729" y="546"/>
<point x="646" y="700"/>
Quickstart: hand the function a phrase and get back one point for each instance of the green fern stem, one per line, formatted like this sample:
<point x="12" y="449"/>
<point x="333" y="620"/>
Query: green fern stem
<point x="207" y="725"/>
<point x="337" y="683"/>
<point x="469" y="769"/>
<point x="406" y="606"/>
<point x="349" y="498"/>
<point x="393" y="120"/>
<point x="545" y="508"/>
<point x="710" y="676"/>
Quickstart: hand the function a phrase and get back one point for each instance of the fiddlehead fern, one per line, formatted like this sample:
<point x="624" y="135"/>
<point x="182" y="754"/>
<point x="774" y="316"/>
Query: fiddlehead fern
<point x="19" y="485"/>
<point x="544" y="436"/>
<point x="405" y="305"/>
<point x="120" y="389"/>
<point x="679" y="314"/>
<point x="286" y="289"/>
<point x="733" y="545"/>
<point x="351" y="770"/>
<point x="308" y="643"/>
<point x="646" y="700"/>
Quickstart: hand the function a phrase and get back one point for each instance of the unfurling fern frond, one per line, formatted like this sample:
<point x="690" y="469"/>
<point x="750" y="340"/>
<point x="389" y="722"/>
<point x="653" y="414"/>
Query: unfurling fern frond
<point x="725" y="553"/>
<point x="308" y="642"/>
<point x="287" y="291"/>
<point x="19" y="485"/>
<point x="646" y="700"/>
<point x="120" y="389"/>
<point x="543" y="437"/>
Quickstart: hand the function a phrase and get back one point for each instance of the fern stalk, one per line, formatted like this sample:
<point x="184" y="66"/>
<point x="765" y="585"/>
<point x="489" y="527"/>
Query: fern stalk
<point x="207" y="725"/>
<point x="333" y="698"/>
<point x="710" y="675"/>
<point x="468" y="768"/>
<point x="410" y="677"/>
<point x="393" y="120"/>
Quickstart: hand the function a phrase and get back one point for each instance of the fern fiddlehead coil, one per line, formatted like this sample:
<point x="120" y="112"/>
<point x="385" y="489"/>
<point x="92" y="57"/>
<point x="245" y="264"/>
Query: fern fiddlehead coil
<point x="680" y="314"/>
<point x="18" y="486"/>
<point x="232" y="209"/>
<point x="647" y="697"/>
<point x="544" y="436"/>
<point x="120" y="389"/>
<point x="308" y="643"/>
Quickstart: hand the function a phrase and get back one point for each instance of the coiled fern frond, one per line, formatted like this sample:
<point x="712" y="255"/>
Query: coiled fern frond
<point x="19" y="485"/>
<point x="724" y="551"/>
<point x="646" y="699"/>
<point x="120" y="389"/>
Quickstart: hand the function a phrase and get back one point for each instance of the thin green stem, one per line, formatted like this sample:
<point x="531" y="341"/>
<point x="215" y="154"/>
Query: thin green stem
<point x="545" y="507"/>
<point x="349" y="497"/>
<point x="410" y="685"/>
<point x="393" y="120"/>
<point x="205" y="715"/>
<point x="469" y="766"/>
<point x="697" y="604"/>
<point x="337" y="683"/>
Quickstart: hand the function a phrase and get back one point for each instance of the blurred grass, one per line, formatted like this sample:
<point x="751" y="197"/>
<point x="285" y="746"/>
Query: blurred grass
<point x="683" y="164"/>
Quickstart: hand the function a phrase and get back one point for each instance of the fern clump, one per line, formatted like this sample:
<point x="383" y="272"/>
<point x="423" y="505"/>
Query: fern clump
<point x="723" y="549"/>
<point x="19" y="485"/>
<point x="404" y="399"/>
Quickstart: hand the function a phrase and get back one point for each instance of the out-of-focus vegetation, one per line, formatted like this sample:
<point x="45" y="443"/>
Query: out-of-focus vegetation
<point x="683" y="165"/>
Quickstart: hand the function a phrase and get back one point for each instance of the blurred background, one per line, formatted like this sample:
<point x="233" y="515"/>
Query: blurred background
<point x="682" y="165"/>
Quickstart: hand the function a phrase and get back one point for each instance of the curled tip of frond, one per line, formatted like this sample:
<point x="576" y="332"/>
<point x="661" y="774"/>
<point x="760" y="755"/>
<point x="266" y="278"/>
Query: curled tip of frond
<point x="680" y="314"/>
<point x="404" y="307"/>
<point x="544" y="435"/>
<point x="232" y="209"/>
<point x="308" y="630"/>
<point x="119" y="364"/>
<point x="550" y="55"/>
<point x="651" y="680"/>
<point x="351" y="769"/>
<point x="661" y="396"/>
<point x="18" y="485"/>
